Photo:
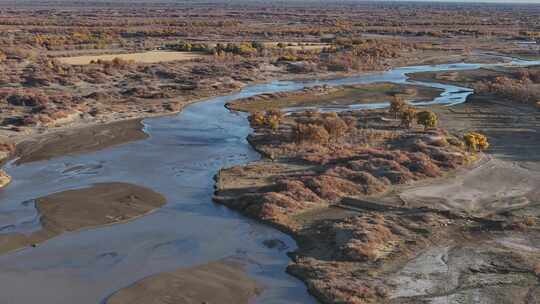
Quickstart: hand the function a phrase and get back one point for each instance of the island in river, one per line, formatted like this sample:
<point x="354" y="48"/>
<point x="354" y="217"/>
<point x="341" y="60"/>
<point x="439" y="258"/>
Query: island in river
<point x="386" y="214"/>
<point x="94" y="206"/>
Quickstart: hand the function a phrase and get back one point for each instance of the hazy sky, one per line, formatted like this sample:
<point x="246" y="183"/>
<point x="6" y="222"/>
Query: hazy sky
<point x="473" y="1"/>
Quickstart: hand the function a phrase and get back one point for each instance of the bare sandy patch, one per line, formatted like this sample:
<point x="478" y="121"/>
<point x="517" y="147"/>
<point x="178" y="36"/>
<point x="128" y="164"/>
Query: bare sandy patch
<point x="146" y="57"/>
<point x="492" y="187"/>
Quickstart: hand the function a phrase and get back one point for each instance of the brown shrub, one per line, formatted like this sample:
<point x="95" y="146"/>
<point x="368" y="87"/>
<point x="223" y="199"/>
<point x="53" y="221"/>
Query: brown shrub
<point x="274" y="206"/>
<point x="365" y="238"/>
<point x="333" y="188"/>
<point x="369" y="184"/>
<point x="336" y="127"/>
<point x="422" y="166"/>
<point x="296" y="190"/>
<point x="311" y="133"/>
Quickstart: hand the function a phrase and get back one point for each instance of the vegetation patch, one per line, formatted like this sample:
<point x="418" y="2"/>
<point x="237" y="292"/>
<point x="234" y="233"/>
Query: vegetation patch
<point x="336" y="96"/>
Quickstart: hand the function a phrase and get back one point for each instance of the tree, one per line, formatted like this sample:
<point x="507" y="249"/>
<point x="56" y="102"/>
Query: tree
<point x="476" y="141"/>
<point x="407" y="117"/>
<point x="257" y="119"/>
<point x="427" y="118"/>
<point x="271" y="119"/>
<point x="397" y="106"/>
<point x="275" y="112"/>
<point x="273" y="122"/>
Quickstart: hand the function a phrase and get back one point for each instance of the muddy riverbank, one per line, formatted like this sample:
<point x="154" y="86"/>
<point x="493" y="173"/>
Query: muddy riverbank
<point x="79" y="140"/>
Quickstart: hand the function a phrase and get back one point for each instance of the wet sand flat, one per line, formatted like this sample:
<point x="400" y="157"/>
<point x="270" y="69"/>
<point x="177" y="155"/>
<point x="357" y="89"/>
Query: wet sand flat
<point x="79" y="140"/>
<point x="72" y="210"/>
<point x="217" y="282"/>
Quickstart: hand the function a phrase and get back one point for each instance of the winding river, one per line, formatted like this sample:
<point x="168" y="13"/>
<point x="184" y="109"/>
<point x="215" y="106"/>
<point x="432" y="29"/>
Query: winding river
<point x="179" y="160"/>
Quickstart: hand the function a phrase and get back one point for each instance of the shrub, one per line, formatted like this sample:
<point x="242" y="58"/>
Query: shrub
<point x="335" y="126"/>
<point x="427" y="118"/>
<point x="476" y="141"/>
<point x="311" y="133"/>
<point x="184" y="46"/>
<point x="238" y="49"/>
<point x="257" y="45"/>
<point x="116" y="62"/>
<point x="289" y="58"/>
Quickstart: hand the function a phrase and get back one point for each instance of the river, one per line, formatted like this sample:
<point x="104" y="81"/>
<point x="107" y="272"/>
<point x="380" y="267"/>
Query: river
<point x="179" y="160"/>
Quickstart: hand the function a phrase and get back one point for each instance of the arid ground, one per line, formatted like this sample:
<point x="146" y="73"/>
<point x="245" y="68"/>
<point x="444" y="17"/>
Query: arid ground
<point x="391" y="201"/>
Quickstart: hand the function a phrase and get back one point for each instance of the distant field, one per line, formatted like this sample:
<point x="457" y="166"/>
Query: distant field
<point x="146" y="57"/>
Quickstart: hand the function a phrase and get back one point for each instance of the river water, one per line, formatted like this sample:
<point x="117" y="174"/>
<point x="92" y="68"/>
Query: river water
<point x="179" y="159"/>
